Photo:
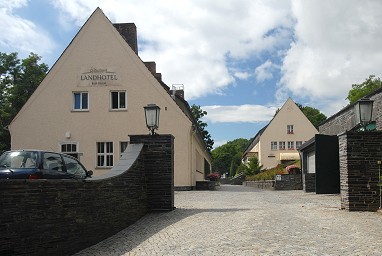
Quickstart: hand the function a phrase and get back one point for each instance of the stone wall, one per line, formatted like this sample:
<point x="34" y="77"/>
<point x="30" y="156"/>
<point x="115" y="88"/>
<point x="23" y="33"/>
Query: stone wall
<point x="61" y="217"/>
<point x="159" y="169"/>
<point x="261" y="184"/>
<point x="359" y="170"/>
<point x="288" y="182"/>
<point x="344" y="120"/>
<point x="309" y="182"/>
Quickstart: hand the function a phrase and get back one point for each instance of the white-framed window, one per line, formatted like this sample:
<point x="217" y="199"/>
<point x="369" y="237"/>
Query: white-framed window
<point x="273" y="145"/>
<point x="118" y="100"/>
<point x="281" y="145"/>
<point x="80" y="101"/>
<point x="105" y="154"/>
<point x="290" y="129"/>
<point x="122" y="147"/>
<point x="298" y="144"/>
<point x="290" y="145"/>
<point x="70" y="148"/>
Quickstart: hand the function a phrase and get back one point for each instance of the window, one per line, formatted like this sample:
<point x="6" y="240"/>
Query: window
<point x="52" y="162"/>
<point x="298" y="144"/>
<point x="273" y="145"/>
<point x="290" y="144"/>
<point x="70" y="149"/>
<point x="74" y="168"/>
<point x="122" y="147"/>
<point x="81" y="101"/>
<point x="282" y="145"/>
<point x="118" y="100"/>
<point x="290" y="129"/>
<point x="105" y="154"/>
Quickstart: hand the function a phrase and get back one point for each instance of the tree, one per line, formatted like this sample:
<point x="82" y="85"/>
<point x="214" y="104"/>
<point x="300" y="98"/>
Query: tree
<point x="314" y="115"/>
<point x="227" y="157"/>
<point x="359" y="90"/>
<point x="18" y="80"/>
<point x="251" y="169"/>
<point x="198" y="114"/>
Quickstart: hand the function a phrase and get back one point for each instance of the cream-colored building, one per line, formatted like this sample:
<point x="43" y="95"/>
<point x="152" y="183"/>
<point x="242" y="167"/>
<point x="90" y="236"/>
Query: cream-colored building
<point x="278" y="142"/>
<point x="92" y="99"/>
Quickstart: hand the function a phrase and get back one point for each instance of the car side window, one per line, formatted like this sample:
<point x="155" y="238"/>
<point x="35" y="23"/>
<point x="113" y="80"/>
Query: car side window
<point x="74" y="167"/>
<point x="53" y="161"/>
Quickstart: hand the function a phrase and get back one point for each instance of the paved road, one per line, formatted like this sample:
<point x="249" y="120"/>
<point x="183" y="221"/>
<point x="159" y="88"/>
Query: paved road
<point x="236" y="220"/>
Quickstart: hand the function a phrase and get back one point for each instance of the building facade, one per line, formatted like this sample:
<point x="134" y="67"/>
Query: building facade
<point x="279" y="141"/>
<point x="92" y="99"/>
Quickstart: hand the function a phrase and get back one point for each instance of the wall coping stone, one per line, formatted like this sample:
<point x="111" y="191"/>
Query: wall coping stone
<point x="127" y="160"/>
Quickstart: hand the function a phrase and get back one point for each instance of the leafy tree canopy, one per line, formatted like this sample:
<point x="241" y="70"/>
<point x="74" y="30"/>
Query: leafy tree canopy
<point x="18" y="80"/>
<point x="198" y="113"/>
<point x="359" y="90"/>
<point x="314" y="115"/>
<point x="251" y="169"/>
<point x="227" y="158"/>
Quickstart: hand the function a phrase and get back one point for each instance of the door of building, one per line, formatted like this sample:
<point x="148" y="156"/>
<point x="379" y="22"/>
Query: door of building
<point x="327" y="164"/>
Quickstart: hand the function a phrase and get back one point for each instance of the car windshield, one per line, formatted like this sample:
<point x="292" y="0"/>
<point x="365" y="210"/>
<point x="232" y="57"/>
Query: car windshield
<point x="18" y="159"/>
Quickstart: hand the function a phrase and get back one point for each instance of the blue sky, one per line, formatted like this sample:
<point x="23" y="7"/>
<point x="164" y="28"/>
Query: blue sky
<point x="238" y="59"/>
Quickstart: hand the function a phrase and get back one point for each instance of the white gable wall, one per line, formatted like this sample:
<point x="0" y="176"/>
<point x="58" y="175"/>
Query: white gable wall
<point x="48" y="116"/>
<point x="303" y="130"/>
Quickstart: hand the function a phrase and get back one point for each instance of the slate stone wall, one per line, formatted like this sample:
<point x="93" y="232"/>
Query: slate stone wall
<point x="61" y="217"/>
<point x="159" y="168"/>
<point x="289" y="182"/>
<point x="359" y="170"/>
<point x="309" y="182"/>
<point x="344" y="120"/>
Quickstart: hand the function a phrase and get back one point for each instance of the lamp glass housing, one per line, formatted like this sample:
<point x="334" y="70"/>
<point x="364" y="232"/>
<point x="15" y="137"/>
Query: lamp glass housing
<point x="152" y="117"/>
<point x="364" y="111"/>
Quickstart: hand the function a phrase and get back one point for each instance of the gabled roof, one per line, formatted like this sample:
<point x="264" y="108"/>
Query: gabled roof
<point x="378" y="91"/>
<point x="254" y="141"/>
<point x="258" y="135"/>
<point x="132" y="43"/>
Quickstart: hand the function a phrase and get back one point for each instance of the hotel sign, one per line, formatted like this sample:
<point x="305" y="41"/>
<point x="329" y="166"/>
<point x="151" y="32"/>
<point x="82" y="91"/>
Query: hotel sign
<point x="98" y="77"/>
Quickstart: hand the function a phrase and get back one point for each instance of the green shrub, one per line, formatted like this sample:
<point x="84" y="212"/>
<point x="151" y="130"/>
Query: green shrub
<point x="267" y="174"/>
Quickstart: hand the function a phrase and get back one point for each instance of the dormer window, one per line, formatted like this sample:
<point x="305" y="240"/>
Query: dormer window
<point x="290" y="129"/>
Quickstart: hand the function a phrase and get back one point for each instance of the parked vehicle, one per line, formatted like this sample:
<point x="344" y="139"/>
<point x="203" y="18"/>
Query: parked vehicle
<point x="37" y="164"/>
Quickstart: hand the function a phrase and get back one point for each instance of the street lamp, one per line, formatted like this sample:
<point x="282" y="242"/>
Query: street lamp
<point x="152" y="117"/>
<point x="363" y="110"/>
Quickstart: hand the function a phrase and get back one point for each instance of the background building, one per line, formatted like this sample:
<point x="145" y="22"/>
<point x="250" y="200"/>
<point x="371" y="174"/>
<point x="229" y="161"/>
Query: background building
<point x="279" y="141"/>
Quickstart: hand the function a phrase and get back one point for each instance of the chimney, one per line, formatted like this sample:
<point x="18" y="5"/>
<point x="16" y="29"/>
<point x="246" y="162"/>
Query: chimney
<point x="177" y="89"/>
<point x="129" y="32"/>
<point x="152" y="67"/>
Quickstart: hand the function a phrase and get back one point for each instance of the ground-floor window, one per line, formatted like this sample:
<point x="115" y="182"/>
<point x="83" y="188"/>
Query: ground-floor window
<point x="290" y="145"/>
<point x="105" y="154"/>
<point x="70" y="148"/>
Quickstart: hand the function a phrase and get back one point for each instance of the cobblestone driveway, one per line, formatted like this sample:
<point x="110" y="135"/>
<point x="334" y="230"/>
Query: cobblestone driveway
<point x="236" y="220"/>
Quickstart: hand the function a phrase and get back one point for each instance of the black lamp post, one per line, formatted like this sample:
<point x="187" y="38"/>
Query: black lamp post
<point x="152" y="117"/>
<point x="363" y="110"/>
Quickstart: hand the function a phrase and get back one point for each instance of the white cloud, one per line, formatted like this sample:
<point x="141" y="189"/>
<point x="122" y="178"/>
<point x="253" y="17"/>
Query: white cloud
<point x="242" y="113"/>
<point x="191" y="40"/>
<point x="242" y="75"/>
<point x="21" y="35"/>
<point x="337" y="44"/>
<point x="265" y="71"/>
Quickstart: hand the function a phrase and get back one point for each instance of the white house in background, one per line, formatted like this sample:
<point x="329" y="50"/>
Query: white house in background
<point x="92" y="99"/>
<point x="278" y="142"/>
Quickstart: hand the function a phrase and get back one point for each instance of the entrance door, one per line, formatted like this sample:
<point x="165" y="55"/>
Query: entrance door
<point x="327" y="164"/>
